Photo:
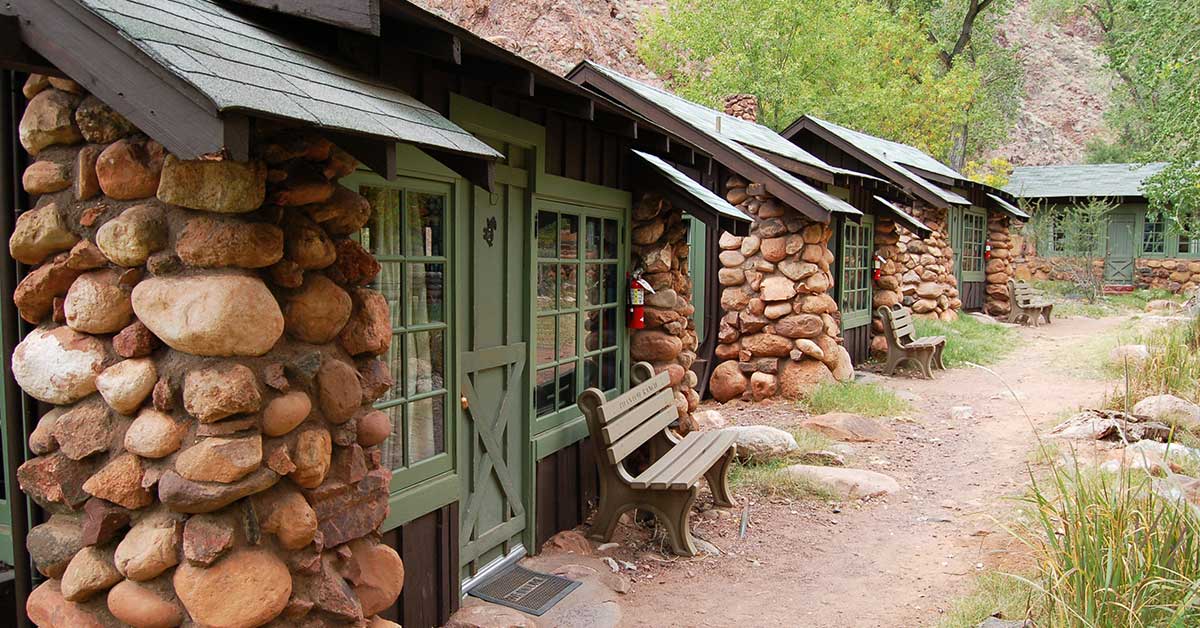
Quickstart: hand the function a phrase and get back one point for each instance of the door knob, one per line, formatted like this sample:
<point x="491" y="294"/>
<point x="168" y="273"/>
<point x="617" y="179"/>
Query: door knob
<point x="463" y="401"/>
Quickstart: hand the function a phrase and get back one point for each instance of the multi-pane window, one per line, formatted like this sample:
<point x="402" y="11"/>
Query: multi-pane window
<point x="1154" y="232"/>
<point x="1188" y="247"/>
<point x="974" y="242"/>
<point x="407" y="235"/>
<point x="578" y="292"/>
<point x="857" y="250"/>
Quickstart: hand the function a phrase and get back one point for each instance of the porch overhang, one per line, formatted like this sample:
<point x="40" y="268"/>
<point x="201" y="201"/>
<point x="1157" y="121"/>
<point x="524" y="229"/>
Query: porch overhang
<point x="904" y="218"/>
<point x="697" y="200"/>
<point x="1006" y="207"/>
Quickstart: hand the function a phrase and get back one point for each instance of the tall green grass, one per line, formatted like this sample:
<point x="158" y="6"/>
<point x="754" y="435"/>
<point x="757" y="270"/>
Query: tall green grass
<point x="969" y="339"/>
<point x="1112" y="552"/>
<point x="854" y="397"/>
<point x="1173" y="366"/>
<point x="1070" y="300"/>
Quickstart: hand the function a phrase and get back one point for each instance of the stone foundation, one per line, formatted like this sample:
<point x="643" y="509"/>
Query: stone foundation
<point x="206" y="338"/>
<point x="999" y="265"/>
<point x="1178" y="276"/>
<point x="669" y="339"/>
<point x="888" y="287"/>
<point x="780" y="334"/>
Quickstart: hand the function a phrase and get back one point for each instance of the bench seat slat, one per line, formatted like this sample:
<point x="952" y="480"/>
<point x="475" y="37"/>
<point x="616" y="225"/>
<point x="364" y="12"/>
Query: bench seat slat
<point x="642" y="433"/>
<point x="927" y="341"/>
<point x="686" y="462"/>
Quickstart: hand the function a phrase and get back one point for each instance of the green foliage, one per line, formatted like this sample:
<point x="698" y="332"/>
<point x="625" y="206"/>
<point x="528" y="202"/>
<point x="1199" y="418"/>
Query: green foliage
<point x="1113" y="552"/>
<point x="1173" y="366"/>
<point x="969" y="340"/>
<point x="1079" y="234"/>
<point x="994" y="593"/>
<point x="1153" y="47"/>
<point x="854" y="397"/>
<point x="772" y="480"/>
<point x="1071" y="301"/>
<point x="995" y="172"/>
<point x="869" y="65"/>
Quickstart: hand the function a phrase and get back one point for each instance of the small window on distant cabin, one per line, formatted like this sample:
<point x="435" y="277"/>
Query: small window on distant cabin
<point x="1058" y="233"/>
<point x="1154" y="235"/>
<point x="1189" y="247"/>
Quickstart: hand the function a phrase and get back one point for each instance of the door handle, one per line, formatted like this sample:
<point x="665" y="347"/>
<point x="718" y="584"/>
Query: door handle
<point x="466" y="405"/>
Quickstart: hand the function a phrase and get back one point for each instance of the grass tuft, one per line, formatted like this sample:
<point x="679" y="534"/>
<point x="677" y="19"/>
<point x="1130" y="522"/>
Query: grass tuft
<point x="994" y="592"/>
<point x="1069" y="301"/>
<point x="854" y="397"/>
<point x="771" y="480"/>
<point x="969" y="339"/>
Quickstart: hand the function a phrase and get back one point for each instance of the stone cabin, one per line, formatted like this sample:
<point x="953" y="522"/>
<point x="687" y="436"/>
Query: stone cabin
<point x="963" y="260"/>
<point x="302" y="299"/>
<point x="1140" y="253"/>
<point x="777" y="320"/>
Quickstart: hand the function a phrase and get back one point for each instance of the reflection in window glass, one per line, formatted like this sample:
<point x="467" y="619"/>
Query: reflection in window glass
<point x="1154" y="235"/>
<point x="413" y="279"/>
<point x="577" y="338"/>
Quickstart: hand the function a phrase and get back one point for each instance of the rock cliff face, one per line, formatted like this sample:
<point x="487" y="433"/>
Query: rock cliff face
<point x="210" y="353"/>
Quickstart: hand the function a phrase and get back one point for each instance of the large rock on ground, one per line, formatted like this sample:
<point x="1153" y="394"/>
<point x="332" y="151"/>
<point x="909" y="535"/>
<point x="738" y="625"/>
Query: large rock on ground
<point x="798" y="379"/>
<point x="485" y="615"/>
<point x="1134" y="355"/>
<point x="1170" y="410"/>
<point x="247" y="588"/>
<point x="226" y="187"/>
<point x="210" y="315"/>
<point x="846" y="483"/>
<point x="849" y="427"/>
<point x="58" y="365"/>
<point x="762" y="442"/>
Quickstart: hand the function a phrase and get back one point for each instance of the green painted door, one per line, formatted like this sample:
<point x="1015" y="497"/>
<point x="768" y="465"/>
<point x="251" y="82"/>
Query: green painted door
<point x="954" y="225"/>
<point x="1118" y="262"/>
<point x="857" y="251"/>
<point x="493" y="335"/>
<point x="697" y="255"/>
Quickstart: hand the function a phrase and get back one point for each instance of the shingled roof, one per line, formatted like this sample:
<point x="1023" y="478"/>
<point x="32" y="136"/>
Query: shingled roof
<point x="1081" y="181"/>
<point x="242" y="65"/>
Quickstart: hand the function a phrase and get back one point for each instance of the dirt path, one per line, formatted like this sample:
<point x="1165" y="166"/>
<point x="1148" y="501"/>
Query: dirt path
<point x="890" y="563"/>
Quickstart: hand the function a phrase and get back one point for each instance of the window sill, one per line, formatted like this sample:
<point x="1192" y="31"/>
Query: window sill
<point x="422" y="499"/>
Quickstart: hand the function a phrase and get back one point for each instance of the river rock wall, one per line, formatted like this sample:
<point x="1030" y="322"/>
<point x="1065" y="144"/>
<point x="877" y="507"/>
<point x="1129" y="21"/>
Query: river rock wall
<point x="206" y="352"/>
<point x="928" y="286"/>
<point x="780" y="334"/>
<point x="669" y="340"/>
<point x="999" y="264"/>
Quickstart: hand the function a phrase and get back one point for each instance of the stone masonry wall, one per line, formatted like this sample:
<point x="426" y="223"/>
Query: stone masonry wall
<point x="887" y="288"/>
<point x="780" y="334"/>
<point x="209" y="349"/>
<point x="999" y="265"/>
<point x="928" y="285"/>
<point x="1178" y="276"/>
<point x="669" y="340"/>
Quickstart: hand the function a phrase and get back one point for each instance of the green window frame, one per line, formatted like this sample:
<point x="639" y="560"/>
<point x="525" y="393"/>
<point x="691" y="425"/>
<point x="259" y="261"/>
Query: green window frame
<point x="579" y="319"/>
<point x="697" y="261"/>
<point x="857" y="254"/>
<point x="974" y="230"/>
<point x="409" y="234"/>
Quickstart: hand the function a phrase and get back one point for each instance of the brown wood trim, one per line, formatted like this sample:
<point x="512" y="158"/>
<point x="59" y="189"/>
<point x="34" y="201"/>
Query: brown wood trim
<point x="793" y="166"/>
<point x="428" y="545"/>
<point x="356" y="15"/>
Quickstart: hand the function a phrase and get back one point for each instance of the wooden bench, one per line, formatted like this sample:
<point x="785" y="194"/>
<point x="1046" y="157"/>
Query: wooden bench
<point x="903" y="343"/>
<point x="668" y="487"/>
<point x="1027" y="303"/>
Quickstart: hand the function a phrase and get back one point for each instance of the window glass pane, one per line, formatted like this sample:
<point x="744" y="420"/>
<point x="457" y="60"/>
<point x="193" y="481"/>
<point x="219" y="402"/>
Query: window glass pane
<point x="425" y="361"/>
<point x="426" y="428"/>
<point x="543" y="392"/>
<point x="395" y="362"/>
<point x="568" y="284"/>
<point x="425" y="289"/>
<point x="390" y="283"/>
<point x="591" y="284"/>
<point x="545" y="339"/>
<point x="424" y="224"/>
<point x="608" y="370"/>
<point x="568" y="236"/>
<point x="381" y="235"/>
<point x="547" y="225"/>
<point x="566" y="336"/>
<point x="591" y="326"/>
<point x="592" y="242"/>
<point x="611" y="241"/>
<point x="591" y="372"/>
<point x="393" y="447"/>
<point x="567" y="383"/>
<point x="547" y="283"/>
<point x="610" y="283"/>
<point x="608" y="328"/>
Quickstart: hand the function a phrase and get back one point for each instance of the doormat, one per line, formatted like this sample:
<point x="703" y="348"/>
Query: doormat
<point x="525" y="590"/>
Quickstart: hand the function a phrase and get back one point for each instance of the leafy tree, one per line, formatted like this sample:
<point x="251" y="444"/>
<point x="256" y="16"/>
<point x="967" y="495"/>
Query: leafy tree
<point x="1079" y="234"/>
<point x="995" y="172"/>
<point x="1153" y="47"/>
<point x="875" y="66"/>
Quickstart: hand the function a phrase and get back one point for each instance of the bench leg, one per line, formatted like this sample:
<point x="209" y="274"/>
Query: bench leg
<point x="925" y="359"/>
<point x="674" y="507"/>
<point x="893" y="360"/>
<point x="718" y="480"/>
<point x="937" y="357"/>
<point x="615" y="499"/>
<point x="1046" y="312"/>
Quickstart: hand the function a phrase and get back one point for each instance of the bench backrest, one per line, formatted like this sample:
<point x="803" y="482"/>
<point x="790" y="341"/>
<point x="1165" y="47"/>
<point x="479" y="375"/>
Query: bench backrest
<point x="620" y="426"/>
<point x="898" y="325"/>
<point x="1022" y="292"/>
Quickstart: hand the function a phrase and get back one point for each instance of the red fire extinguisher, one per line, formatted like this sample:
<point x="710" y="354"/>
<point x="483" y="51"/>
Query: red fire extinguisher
<point x="987" y="252"/>
<point x="877" y="271"/>
<point x="638" y="288"/>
